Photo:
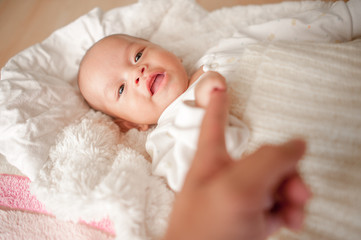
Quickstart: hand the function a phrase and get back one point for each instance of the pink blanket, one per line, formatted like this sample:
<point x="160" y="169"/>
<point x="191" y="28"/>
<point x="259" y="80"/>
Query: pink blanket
<point x="15" y="195"/>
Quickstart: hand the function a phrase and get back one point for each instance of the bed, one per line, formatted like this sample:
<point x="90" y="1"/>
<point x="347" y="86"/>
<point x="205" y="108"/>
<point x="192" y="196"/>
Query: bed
<point x="65" y="181"/>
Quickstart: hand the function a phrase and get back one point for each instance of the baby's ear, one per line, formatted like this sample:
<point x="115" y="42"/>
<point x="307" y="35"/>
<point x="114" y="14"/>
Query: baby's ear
<point x="125" y="125"/>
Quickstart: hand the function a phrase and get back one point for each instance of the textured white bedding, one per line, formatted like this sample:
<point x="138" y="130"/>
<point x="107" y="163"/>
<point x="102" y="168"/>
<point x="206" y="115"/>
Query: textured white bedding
<point x="309" y="90"/>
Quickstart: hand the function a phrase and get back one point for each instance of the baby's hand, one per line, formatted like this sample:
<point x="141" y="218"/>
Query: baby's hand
<point x="210" y="81"/>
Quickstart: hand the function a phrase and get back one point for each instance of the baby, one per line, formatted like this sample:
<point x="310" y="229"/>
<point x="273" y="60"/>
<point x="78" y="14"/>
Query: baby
<point x="137" y="82"/>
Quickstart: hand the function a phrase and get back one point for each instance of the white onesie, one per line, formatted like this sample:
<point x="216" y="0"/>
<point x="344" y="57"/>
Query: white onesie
<point x="172" y="144"/>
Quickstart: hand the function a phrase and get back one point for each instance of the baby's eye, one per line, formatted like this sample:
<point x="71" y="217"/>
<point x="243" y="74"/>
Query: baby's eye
<point x="121" y="89"/>
<point x="138" y="56"/>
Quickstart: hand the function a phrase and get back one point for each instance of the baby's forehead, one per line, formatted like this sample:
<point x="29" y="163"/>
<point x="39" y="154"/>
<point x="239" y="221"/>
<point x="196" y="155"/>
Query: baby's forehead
<point x="120" y="39"/>
<point x="110" y="41"/>
<point x="103" y="50"/>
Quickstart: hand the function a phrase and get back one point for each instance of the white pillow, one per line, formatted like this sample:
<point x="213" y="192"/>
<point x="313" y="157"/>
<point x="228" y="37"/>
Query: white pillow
<point x="38" y="93"/>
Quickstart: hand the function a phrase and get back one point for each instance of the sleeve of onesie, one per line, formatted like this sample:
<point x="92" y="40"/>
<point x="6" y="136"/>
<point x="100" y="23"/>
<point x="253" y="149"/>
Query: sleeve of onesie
<point x="174" y="161"/>
<point x="338" y="23"/>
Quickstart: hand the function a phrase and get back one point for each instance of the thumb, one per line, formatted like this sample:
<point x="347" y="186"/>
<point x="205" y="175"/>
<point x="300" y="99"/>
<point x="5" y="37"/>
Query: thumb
<point x="214" y="122"/>
<point x="211" y="152"/>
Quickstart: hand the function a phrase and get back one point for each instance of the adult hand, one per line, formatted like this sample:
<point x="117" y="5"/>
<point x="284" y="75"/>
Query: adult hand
<point x="224" y="199"/>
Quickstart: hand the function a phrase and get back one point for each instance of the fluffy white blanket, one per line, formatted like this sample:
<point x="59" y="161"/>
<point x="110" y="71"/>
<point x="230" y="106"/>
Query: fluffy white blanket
<point x="308" y="90"/>
<point x="94" y="171"/>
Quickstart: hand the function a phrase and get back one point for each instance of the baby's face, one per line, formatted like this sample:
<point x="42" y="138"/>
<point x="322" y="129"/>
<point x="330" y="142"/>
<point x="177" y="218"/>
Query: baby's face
<point x="131" y="79"/>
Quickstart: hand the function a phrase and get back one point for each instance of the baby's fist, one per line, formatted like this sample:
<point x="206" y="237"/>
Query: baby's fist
<point x="210" y="82"/>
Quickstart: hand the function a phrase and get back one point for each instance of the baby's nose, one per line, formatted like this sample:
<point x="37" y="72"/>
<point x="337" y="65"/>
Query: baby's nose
<point x="142" y="72"/>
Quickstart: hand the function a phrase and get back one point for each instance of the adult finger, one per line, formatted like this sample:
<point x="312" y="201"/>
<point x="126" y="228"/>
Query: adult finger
<point x="295" y="191"/>
<point x="211" y="152"/>
<point x="289" y="203"/>
<point x="214" y="122"/>
<point x="286" y="216"/>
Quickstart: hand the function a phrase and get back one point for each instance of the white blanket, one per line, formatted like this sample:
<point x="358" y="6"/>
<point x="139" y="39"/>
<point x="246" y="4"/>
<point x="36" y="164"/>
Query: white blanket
<point x="308" y="90"/>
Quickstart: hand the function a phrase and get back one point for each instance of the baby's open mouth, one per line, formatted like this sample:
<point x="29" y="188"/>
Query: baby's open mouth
<point x="156" y="83"/>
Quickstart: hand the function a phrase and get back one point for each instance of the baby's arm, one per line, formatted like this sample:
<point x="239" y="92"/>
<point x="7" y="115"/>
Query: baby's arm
<point x="210" y="81"/>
